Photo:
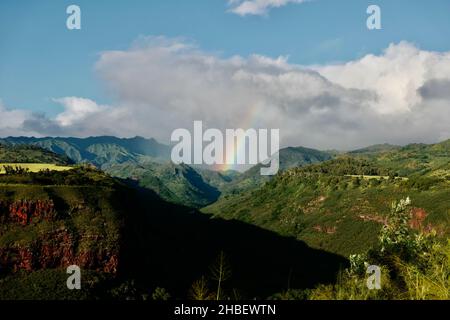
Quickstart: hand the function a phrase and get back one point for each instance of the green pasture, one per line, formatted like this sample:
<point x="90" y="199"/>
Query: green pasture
<point x="35" y="167"/>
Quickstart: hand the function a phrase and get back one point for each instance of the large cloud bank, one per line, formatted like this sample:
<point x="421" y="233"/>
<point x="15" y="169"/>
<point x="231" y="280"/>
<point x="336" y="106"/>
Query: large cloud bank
<point x="160" y="84"/>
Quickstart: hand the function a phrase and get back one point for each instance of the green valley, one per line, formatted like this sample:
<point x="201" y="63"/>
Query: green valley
<point x="131" y="219"/>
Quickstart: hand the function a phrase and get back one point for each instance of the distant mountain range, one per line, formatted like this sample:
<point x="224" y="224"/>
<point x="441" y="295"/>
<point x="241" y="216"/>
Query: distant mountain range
<point x="100" y="151"/>
<point x="146" y="163"/>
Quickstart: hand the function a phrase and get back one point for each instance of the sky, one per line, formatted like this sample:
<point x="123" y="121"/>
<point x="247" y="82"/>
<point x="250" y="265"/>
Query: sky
<point x="311" y="68"/>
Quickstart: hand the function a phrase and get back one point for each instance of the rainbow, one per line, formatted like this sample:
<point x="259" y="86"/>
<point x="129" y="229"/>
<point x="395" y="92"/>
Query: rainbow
<point x="247" y="121"/>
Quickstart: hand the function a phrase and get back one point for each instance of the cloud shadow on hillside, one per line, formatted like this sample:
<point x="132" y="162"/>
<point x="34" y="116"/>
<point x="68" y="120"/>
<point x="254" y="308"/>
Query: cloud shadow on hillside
<point x="171" y="246"/>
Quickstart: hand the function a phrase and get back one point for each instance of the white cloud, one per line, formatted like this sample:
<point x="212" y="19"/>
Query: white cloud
<point x="370" y="100"/>
<point x="395" y="76"/>
<point x="161" y="85"/>
<point x="257" y="7"/>
<point x="76" y="110"/>
<point x="11" y="121"/>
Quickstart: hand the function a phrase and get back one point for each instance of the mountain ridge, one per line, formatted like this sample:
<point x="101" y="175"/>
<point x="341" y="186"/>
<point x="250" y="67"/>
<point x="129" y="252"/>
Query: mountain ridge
<point x="101" y="150"/>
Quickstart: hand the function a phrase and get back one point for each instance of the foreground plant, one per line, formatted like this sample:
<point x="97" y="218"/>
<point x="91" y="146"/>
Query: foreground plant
<point x="414" y="265"/>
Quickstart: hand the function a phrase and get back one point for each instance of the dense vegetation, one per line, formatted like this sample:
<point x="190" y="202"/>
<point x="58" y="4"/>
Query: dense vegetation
<point x="419" y="159"/>
<point x="132" y="243"/>
<point x="414" y="264"/>
<point x="179" y="184"/>
<point x="288" y="158"/>
<point x="30" y="154"/>
<point x="307" y="233"/>
<point x="334" y="205"/>
<point x="51" y="219"/>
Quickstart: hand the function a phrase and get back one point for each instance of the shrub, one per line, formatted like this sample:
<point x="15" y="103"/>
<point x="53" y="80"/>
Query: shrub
<point x="414" y="264"/>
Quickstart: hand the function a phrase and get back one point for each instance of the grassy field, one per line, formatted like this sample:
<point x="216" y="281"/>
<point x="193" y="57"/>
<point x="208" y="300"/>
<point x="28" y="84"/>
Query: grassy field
<point x="35" y="167"/>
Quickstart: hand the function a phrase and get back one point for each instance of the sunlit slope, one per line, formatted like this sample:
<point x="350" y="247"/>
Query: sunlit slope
<point x="334" y="206"/>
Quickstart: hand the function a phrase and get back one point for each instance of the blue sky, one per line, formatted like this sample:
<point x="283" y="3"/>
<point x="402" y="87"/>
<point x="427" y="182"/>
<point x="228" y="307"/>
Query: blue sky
<point x="40" y="59"/>
<point x="309" y="67"/>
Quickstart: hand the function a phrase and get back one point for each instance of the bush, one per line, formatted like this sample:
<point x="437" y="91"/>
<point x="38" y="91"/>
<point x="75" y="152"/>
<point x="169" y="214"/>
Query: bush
<point x="414" y="265"/>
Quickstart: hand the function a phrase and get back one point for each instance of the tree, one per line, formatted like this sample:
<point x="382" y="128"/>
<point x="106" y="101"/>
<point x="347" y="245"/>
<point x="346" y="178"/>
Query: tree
<point x="200" y="290"/>
<point x="220" y="272"/>
<point x="11" y="170"/>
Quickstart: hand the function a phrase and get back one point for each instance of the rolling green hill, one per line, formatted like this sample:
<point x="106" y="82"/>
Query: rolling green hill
<point x="130" y="243"/>
<point x="99" y="151"/>
<point x="332" y="207"/>
<point x="376" y="149"/>
<point x="288" y="158"/>
<point x="179" y="184"/>
<point x="420" y="159"/>
<point x="139" y="232"/>
<point x="198" y="187"/>
<point x="147" y="162"/>
<point x="30" y="154"/>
